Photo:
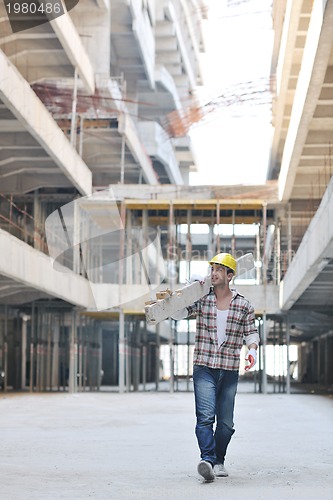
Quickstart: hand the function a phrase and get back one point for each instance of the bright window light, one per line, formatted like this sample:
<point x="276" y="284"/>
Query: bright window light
<point x="223" y="229"/>
<point x="195" y="228"/>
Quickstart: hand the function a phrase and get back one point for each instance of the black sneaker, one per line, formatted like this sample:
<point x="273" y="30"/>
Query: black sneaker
<point x="205" y="469"/>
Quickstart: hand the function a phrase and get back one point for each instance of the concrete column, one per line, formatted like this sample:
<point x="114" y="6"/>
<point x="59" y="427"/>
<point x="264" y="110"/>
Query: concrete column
<point x="264" y="234"/>
<point x="32" y="350"/>
<point x="136" y="360"/>
<point x="157" y="353"/>
<point x="172" y="360"/>
<point x="326" y="347"/>
<point x="210" y="243"/>
<point x="263" y="351"/>
<point x="171" y="248"/>
<point x="37" y="216"/>
<point x="218" y="226"/>
<point x="24" y="326"/>
<point x="128" y="355"/>
<point x="144" y="252"/>
<point x="123" y="142"/>
<point x="74" y="103"/>
<point x="288" y="355"/>
<point x="55" y="357"/>
<point x="72" y="378"/>
<point x="39" y="333"/>
<point x="258" y="257"/>
<point x="49" y="352"/>
<point x="129" y="248"/>
<point x="329" y="357"/>
<point x="278" y="254"/>
<point x="77" y="263"/>
<point x="188" y="243"/>
<point x="121" y="350"/>
<point x="99" y="356"/>
<point x="233" y="238"/>
<point x="5" y="349"/>
<point x="289" y="235"/>
<point x="188" y="356"/>
<point x="144" y="359"/>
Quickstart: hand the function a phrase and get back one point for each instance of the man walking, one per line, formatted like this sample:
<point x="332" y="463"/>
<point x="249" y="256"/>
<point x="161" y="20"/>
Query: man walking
<point x="225" y="318"/>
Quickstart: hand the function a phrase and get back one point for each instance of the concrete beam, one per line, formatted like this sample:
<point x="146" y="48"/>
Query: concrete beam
<point x="24" y="182"/>
<point x="183" y="297"/>
<point x="265" y="300"/>
<point x="70" y="40"/>
<point x="153" y="138"/>
<point x="182" y="46"/>
<point x="312" y="254"/>
<point x="18" y="96"/>
<point x="286" y="52"/>
<point x="22" y="263"/>
<point x="164" y="78"/>
<point x="126" y="126"/>
<point x="314" y="65"/>
<point x="143" y="33"/>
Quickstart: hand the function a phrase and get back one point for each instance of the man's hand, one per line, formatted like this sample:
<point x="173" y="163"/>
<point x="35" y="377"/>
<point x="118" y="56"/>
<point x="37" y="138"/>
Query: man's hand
<point x="251" y="358"/>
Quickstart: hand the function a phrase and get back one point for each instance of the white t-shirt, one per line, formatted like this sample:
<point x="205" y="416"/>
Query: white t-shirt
<point x="221" y="322"/>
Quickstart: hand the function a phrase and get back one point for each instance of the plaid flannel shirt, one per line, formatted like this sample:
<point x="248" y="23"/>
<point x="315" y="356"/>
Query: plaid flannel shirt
<point x="240" y="326"/>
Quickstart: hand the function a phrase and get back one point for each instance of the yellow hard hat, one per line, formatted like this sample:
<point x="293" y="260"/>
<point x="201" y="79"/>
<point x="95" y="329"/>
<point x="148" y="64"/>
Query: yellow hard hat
<point x="226" y="260"/>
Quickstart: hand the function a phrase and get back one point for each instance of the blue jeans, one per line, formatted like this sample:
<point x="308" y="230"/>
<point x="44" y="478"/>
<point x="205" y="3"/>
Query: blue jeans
<point x="214" y="392"/>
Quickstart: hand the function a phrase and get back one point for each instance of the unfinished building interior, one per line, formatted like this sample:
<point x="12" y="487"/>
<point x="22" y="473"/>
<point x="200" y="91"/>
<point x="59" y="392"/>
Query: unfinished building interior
<point x="97" y="214"/>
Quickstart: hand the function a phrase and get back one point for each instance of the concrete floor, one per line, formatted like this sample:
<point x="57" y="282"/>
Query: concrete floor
<point x="142" y="446"/>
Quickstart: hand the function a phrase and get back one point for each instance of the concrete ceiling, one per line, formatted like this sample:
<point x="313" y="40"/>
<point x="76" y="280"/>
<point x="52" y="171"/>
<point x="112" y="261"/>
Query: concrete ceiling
<point x="301" y="154"/>
<point x="303" y="103"/>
